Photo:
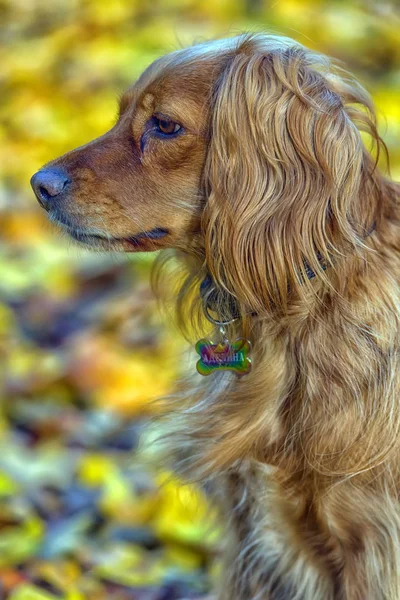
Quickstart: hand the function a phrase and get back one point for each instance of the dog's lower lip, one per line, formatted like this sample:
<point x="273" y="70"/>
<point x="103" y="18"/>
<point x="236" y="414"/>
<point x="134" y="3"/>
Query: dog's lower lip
<point x="143" y="239"/>
<point x="136" y="240"/>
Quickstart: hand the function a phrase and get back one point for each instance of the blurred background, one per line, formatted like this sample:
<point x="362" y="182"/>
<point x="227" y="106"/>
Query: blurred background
<point x="84" y="512"/>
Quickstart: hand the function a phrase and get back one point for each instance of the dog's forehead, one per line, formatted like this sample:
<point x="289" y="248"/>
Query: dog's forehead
<point x="174" y="84"/>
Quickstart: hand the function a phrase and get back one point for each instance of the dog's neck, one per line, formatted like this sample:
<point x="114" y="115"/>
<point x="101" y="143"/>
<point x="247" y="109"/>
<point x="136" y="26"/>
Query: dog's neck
<point x="215" y="297"/>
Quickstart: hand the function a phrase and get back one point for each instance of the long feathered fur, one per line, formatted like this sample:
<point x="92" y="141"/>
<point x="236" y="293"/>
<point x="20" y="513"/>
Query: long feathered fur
<point x="303" y="453"/>
<point x="248" y="157"/>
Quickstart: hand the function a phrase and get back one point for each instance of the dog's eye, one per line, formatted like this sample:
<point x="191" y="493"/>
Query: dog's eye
<point x="166" y="126"/>
<point x="160" y="127"/>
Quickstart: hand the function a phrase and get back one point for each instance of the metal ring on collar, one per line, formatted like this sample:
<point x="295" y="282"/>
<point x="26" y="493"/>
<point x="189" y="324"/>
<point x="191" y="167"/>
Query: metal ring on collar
<point x="207" y="308"/>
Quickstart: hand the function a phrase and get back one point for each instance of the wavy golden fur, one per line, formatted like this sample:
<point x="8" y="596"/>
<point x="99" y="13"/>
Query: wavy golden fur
<point x="268" y="175"/>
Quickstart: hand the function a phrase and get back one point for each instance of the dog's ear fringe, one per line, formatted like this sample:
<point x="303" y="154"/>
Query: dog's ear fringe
<point x="287" y="175"/>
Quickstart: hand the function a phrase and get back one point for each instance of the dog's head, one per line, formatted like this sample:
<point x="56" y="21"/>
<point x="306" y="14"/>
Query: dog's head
<point x="248" y="149"/>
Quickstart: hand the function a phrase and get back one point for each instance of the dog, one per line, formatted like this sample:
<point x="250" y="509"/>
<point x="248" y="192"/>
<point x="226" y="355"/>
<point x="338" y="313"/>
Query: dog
<point x="247" y="157"/>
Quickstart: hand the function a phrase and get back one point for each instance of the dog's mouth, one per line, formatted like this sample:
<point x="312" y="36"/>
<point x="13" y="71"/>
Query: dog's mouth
<point x="145" y="240"/>
<point x="142" y="241"/>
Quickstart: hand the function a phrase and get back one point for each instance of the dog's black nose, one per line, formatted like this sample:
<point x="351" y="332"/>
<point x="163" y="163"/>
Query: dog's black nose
<point x="48" y="186"/>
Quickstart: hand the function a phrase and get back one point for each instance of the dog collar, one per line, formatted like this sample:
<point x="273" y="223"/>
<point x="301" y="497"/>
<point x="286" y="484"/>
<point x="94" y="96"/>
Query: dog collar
<point x="211" y="296"/>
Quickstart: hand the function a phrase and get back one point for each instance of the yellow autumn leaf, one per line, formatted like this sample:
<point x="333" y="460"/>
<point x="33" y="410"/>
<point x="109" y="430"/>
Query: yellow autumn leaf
<point x="31" y="592"/>
<point x="184" y="514"/>
<point x="8" y="486"/>
<point x="19" y="542"/>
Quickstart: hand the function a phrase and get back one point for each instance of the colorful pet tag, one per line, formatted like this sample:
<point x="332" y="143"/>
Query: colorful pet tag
<point x="224" y="356"/>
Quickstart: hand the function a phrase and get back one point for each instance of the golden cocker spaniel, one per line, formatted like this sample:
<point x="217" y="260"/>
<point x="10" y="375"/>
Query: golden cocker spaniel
<point x="246" y="156"/>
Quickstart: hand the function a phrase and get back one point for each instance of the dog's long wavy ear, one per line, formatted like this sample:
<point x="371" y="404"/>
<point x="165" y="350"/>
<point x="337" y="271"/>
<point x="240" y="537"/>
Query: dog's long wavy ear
<point x="290" y="184"/>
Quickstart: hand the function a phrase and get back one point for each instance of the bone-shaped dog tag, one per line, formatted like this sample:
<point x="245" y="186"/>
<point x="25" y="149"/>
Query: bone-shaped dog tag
<point x="224" y="356"/>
